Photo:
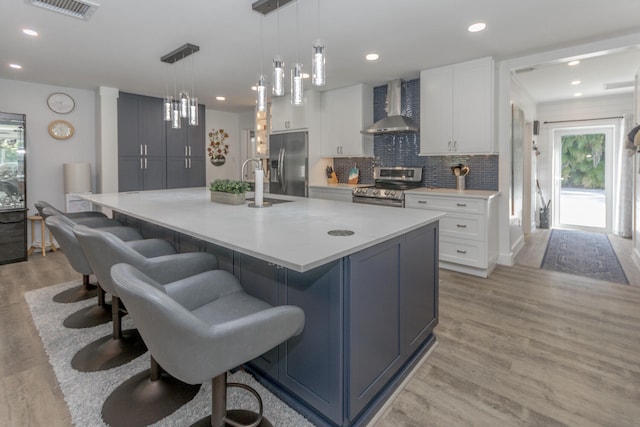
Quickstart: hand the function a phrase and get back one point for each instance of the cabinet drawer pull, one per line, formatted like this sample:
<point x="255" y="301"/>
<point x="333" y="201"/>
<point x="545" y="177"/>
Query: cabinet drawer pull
<point x="461" y="251"/>
<point x="462" y="205"/>
<point x="185" y="164"/>
<point x="461" y="225"/>
<point x="141" y="151"/>
<point x="423" y="202"/>
<point x="145" y="162"/>
<point x="141" y="163"/>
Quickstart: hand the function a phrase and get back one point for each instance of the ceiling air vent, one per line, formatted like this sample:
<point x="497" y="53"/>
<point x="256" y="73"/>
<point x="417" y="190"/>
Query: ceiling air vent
<point x="618" y="85"/>
<point x="74" y="8"/>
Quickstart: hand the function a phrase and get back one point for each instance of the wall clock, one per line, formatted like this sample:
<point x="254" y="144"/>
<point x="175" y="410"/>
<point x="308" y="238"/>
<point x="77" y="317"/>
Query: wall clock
<point x="61" y="103"/>
<point x="61" y="129"/>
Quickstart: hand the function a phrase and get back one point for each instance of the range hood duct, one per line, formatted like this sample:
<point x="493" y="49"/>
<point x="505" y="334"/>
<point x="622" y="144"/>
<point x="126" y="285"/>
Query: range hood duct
<point x="394" y="122"/>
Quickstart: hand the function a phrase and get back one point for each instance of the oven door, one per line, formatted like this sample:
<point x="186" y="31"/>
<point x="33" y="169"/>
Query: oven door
<point x="379" y="202"/>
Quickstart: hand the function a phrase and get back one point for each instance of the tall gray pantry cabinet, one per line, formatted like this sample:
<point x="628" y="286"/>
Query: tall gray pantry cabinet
<point x="153" y="156"/>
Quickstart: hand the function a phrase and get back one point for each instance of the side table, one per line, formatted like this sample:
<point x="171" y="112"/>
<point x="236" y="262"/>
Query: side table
<point x="43" y="244"/>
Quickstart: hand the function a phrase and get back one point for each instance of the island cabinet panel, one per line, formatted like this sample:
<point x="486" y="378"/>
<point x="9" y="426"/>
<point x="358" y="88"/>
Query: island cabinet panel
<point x="374" y="319"/>
<point x="311" y="363"/>
<point x="262" y="280"/>
<point x="419" y="295"/>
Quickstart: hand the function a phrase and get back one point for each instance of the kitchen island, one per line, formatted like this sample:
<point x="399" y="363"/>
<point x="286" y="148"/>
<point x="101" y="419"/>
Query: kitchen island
<point x="365" y="276"/>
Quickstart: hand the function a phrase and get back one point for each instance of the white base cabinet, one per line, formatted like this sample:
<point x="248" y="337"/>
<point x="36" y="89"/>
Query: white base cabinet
<point x="468" y="231"/>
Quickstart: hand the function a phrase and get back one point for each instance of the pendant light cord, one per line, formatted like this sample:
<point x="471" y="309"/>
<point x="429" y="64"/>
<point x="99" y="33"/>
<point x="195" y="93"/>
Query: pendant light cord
<point x="278" y="24"/>
<point x="261" y="45"/>
<point x="297" y="31"/>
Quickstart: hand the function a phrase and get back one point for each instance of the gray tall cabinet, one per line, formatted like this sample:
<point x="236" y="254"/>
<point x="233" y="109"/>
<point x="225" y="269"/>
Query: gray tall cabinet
<point x="151" y="155"/>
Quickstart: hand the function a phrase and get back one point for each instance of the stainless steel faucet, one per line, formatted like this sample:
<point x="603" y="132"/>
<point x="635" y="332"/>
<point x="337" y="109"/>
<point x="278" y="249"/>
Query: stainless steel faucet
<point x="244" y="164"/>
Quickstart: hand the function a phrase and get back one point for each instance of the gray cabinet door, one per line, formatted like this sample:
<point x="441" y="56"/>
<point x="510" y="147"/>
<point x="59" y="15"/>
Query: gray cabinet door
<point x="311" y="363"/>
<point x="177" y="172"/>
<point x="155" y="173"/>
<point x="420" y="287"/>
<point x="260" y="279"/>
<point x="374" y="335"/>
<point x="129" y="143"/>
<point x="130" y="172"/>
<point x="176" y="141"/>
<point x="151" y="124"/>
<point x="197" y="172"/>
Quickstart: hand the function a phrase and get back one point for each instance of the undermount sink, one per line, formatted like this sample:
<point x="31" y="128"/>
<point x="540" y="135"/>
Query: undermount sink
<point x="270" y="200"/>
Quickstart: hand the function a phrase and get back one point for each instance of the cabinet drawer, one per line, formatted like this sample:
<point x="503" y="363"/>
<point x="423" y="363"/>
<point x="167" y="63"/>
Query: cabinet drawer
<point x="463" y="252"/>
<point x="466" y="226"/>
<point x="449" y="204"/>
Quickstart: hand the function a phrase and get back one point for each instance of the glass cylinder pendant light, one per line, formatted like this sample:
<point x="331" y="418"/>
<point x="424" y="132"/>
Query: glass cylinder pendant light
<point x="296" y="85"/>
<point x="262" y="94"/>
<point x="168" y="100"/>
<point x="193" y="111"/>
<point x="176" y="123"/>
<point x="318" y="68"/>
<point x="184" y="104"/>
<point x="278" y="77"/>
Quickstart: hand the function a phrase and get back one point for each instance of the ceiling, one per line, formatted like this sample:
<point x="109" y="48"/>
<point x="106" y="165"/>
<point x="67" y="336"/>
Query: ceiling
<point x="122" y="43"/>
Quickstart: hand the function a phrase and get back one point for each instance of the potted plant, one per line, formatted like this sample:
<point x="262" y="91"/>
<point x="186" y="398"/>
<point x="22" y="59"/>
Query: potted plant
<point x="228" y="191"/>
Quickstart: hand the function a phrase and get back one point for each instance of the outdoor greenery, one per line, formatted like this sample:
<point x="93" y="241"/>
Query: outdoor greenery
<point x="229" y="186"/>
<point x="583" y="161"/>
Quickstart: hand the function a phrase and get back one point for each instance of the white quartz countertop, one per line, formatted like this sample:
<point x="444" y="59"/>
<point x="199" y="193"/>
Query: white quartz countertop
<point x="293" y="235"/>
<point x="479" y="194"/>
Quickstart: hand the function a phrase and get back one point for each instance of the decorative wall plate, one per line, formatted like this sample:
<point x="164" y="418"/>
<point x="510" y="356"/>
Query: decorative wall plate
<point x="61" y="103"/>
<point x="61" y="129"/>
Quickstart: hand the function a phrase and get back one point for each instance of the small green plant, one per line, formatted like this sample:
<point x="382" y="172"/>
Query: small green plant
<point x="229" y="186"/>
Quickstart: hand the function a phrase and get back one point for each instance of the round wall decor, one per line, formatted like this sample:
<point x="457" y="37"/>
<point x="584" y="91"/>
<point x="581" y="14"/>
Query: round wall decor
<point x="61" y="103"/>
<point x="61" y="129"/>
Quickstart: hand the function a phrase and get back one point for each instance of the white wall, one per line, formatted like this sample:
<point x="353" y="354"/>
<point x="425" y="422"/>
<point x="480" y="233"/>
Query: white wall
<point x="230" y="122"/>
<point x="46" y="155"/>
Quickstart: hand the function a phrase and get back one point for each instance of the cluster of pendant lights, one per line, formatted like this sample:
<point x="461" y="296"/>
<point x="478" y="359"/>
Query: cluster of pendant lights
<point x="182" y="106"/>
<point x="318" y="76"/>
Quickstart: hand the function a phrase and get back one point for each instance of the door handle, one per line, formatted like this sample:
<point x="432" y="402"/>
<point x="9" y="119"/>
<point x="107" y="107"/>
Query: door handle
<point x="145" y="149"/>
<point x="422" y="202"/>
<point x="185" y="151"/>
<point x="145" y="162"/>
<point x="189" y="163"/>
<point x="189" y="151"/>
<point x="461" y="251"/>
<point x="185" y="164"/>
<point x="461" y="225"/>
<point x="141" y="163"/>
<point x="141" y="150"/>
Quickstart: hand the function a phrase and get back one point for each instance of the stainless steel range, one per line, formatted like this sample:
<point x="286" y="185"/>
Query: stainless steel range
<point x="390" y="184"/>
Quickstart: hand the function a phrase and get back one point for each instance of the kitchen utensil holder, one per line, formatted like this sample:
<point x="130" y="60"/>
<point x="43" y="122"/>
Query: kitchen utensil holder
<point x="461" y="182"/>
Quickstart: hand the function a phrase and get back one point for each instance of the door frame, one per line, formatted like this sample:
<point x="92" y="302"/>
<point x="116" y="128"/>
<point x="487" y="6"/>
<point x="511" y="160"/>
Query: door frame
<point x="610" y="129"/>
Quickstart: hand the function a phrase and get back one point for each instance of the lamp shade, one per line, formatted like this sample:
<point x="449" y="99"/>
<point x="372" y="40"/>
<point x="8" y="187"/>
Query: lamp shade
<point x="77" y="177"/>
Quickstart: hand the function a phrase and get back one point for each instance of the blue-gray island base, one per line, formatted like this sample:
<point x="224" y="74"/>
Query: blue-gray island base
<point x="370" y="318"/>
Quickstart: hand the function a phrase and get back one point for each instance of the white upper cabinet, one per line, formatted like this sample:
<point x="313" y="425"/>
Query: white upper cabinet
<point x="456" y="108"/>
<point x="345" y="112"/>
<point x="286" y="117"/>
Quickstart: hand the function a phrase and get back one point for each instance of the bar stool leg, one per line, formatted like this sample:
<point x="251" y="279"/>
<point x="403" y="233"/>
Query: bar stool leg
<point x="44" y="242"/>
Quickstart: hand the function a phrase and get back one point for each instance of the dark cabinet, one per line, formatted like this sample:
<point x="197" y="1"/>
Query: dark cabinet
<point x="151" y="154"/>
<point x="141" y="143"/>
<point x="13" y="235"/>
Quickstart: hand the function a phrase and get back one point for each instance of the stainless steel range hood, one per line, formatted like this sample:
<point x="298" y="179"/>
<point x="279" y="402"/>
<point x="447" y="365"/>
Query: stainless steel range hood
<point x="394" y="122"/>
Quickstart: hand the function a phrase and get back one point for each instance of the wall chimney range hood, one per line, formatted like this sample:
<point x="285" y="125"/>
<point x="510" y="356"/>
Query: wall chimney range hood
<point x="394" y="122"/>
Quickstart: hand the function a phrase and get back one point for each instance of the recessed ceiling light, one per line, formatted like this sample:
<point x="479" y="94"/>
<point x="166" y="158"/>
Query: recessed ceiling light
<point x="576" y="82"/>
<point x="478" y="26"/>
<point x="254" y="88"/>
<point x="372" y="56"/>
<point x="305" y="75"/>
<point x="221" y="98"/>
<point x="577" y="94"/>
<point x="30" y="32"/>
<point x="572" y="63"/>
<point x="16" y="66"/>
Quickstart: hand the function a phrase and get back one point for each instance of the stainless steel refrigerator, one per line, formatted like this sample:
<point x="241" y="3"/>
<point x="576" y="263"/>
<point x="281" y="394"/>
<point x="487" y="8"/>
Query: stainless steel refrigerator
<point x="289" y="163"/>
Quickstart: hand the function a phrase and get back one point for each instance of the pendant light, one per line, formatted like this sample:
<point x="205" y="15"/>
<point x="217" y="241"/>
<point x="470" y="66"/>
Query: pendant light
<point x="176" y="123"/>
<point x="296" y="70"/>
<point x="278" y="64"/>
<point x="261" y="87"/>
<point x="193" y="101"/>
<point x="167" y="101"/>
<point x="317" y="60"/>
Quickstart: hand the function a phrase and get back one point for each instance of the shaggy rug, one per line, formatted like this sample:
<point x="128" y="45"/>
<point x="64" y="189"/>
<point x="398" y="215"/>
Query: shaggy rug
<point x="583" y="254"/>
<point x="61" y="344"/>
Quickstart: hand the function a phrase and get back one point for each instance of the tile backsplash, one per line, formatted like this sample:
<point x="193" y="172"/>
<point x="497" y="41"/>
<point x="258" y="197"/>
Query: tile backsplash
<point x="403" y="149"/>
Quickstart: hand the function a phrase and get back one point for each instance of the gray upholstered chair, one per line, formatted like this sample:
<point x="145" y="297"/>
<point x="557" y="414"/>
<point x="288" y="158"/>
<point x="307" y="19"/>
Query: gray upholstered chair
<point x="79" y="262"/>
<point x="102" y="250"/>
<point x="62" y="230"/>
<point x="90" y="221"/>
<point x="41" y="204"/>
<point x="198" y="331"/>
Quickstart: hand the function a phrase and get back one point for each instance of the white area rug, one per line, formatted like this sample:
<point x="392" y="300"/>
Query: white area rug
<point x="86" y="392"/>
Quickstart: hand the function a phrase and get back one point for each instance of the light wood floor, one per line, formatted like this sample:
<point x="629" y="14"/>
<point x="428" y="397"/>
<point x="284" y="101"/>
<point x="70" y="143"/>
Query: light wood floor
<point x="524" y="347"/>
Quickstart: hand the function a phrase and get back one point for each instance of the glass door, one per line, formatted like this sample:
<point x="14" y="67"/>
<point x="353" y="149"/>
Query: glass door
<point x="583" y="176"/>
<point x="12" y="161"/>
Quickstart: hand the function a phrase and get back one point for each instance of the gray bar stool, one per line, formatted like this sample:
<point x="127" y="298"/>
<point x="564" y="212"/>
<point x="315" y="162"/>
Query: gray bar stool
<point x="199" y="332"/>
<point x="41" y="204"/>
<point x="62" y="229"/>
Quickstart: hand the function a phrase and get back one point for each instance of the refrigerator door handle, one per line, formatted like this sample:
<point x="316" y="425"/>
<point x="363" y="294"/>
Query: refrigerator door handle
<point x="283" y="172"/>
